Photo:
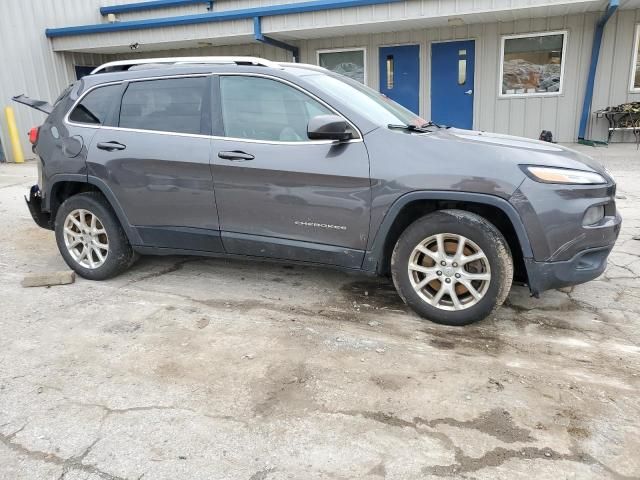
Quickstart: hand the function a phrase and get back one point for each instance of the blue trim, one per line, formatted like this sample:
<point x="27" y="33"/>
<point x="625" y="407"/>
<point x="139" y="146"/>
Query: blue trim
<point x="595" y="52"/>
<point x="138" y="6"/>
<point x="257" y="33"/>
<point x="222" y="16"/>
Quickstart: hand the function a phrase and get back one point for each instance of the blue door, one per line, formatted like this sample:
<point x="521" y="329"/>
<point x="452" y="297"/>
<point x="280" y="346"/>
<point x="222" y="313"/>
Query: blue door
<point x="400" y="75"/>
<point x="452" y="65"/>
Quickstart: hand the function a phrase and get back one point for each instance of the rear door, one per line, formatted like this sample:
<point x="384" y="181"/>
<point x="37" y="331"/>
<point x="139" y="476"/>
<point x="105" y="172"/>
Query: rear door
<point x="154" y="157"/>
<point x="280" y="194"/>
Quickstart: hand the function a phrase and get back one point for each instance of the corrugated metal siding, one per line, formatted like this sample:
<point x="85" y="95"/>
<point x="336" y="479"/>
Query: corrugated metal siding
<point x="614" y="69"/>
<point x="517" y="116"/>
<point x="28" y="65"/>
<point x="252" y="49"/>
<point x="413" y="10"/>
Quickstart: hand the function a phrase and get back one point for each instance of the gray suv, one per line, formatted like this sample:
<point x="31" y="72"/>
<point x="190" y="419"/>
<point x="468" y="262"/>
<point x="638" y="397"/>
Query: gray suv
<point x="244" y="157"/>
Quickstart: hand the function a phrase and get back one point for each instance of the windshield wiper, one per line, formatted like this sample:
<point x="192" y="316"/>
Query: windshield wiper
<point x="411" y="128"/>
<point x="431" y="124"/>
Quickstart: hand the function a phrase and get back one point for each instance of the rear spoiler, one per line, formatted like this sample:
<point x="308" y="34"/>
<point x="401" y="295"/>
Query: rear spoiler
<point x="40" y="105"/>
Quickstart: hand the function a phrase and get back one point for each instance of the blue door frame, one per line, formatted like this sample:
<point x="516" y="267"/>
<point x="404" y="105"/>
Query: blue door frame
<point x="452" y="83"/>
<point x="400" y="75"/>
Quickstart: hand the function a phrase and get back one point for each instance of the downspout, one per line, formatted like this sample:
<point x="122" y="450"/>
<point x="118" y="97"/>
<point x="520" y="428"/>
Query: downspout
<point x="257" y="33"/>
<point x="595" y="52"/>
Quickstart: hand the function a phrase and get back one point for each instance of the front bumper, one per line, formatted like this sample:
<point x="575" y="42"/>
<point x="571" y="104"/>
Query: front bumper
<point x="583" y="267"/>
<point x="34" y="203"/>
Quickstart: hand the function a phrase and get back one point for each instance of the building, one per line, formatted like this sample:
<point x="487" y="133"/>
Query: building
<point x="510" y="66"/>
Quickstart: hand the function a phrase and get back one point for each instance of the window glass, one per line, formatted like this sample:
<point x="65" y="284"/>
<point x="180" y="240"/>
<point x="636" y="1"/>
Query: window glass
<point x="171" y="105"/>
<point x="532" y="65"/>
<point x="462" y="67"/>
<point x="349" y="63"/>
<point x="636" y="68"/>
<point x="263" y="109"/>
<point x="94" y="107"/>
<point x="369" y="103"/>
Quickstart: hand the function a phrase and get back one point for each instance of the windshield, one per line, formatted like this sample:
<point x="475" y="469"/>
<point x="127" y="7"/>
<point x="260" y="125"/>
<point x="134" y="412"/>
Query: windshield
<point x="373" y="105"/>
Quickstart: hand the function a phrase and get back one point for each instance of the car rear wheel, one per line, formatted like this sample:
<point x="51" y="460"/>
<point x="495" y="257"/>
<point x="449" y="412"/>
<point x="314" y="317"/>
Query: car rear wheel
<point x="90" y="238"/>
<point x="452" y="267"/>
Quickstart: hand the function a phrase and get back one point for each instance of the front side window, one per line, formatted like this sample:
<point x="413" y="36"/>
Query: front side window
<point x="532" y="64"/>
<point x="166" y="105"/>
<point x="94" y="106"/>
<point x="258" y="108"/>
<point x="350" y="63"/>
<point x="635" y="68"/>
<point x="369" y="103"/>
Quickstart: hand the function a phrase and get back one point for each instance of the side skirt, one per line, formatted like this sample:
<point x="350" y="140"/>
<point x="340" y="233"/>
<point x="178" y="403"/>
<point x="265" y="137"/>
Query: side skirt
<point x="160" y="240"/>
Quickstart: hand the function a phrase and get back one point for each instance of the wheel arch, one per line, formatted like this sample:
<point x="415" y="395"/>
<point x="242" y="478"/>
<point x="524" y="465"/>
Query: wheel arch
<point x="414" y="205"/>
<point x="65" y="186"/>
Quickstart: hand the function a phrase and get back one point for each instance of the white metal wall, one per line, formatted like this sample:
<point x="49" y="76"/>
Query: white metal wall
<point x="28" y="64"/>
<point x="518" y="116"/>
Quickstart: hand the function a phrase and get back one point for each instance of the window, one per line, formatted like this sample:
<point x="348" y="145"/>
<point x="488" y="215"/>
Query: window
<point x="94" y="107"/>
<point x="635" y="67"/>
<point x="263" y="109"/>
<point x="170" y="105"/>
<point x="462" y="67"/>
<point x="370" y="103"/>
<point x="345" y="62"/>
<point x="532" y="64"/>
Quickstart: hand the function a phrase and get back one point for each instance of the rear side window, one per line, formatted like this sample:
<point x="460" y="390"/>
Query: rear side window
<point x="94" y="106"/>
<point x="263" y="109"/>
<point x="171" y="105"/>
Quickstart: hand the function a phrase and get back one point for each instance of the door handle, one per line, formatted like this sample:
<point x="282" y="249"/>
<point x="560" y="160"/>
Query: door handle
<point x="468" y="92"/>
<point x="236" y="155"/>
<point x="111" y="146"/>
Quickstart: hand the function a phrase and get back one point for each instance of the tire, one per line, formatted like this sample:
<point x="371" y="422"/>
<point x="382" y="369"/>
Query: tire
<point x="96" y="262"/>
<point x="442" y="233"/>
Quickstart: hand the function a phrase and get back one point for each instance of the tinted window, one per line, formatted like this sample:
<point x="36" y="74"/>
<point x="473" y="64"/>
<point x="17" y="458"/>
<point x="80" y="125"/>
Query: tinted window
<point x="94" y="107"/>
<point x="172" y="105"/>
<point x="263" y="109"/>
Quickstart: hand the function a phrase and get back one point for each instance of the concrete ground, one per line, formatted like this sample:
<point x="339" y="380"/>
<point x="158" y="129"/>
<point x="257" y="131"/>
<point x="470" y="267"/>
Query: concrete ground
<point x="191" y="368"/>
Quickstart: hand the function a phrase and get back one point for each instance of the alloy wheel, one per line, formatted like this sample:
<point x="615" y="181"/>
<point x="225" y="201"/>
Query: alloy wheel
<point x="86" y="238"/>
<point x="449" y="271"/>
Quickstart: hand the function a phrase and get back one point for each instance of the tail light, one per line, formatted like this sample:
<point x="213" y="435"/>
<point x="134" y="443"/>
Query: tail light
<point x="33" y="135"/>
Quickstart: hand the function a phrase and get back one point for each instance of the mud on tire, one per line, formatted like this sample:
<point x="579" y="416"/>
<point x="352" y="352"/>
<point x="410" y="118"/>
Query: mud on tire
<point x="107" y="262"/>
<point x="430" y="245"/>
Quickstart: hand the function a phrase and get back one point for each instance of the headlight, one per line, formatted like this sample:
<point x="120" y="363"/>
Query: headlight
<point x="563" y="175"/>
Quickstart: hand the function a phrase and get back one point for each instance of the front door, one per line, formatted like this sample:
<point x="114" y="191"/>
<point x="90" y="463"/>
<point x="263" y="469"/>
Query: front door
<point x="452" y="67"/>
<point x="400" y="75"/>
<point x="279" y="194"/>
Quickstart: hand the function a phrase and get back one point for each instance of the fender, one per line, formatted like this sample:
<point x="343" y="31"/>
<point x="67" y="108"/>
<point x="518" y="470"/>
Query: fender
<point x="132" y="234"/>
<point x="374" y="256"/>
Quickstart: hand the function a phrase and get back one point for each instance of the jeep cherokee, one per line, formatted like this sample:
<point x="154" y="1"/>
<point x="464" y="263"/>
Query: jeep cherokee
<point x="244" y="157"/>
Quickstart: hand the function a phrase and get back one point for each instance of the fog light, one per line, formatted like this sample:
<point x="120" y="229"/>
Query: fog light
<point x="593" y="215"/>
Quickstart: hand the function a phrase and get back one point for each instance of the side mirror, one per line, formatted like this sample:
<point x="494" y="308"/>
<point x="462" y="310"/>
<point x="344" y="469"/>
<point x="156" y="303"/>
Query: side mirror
<point x="328" y="127"/>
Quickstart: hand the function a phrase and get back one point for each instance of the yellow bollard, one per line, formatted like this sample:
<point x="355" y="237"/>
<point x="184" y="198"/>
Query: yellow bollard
<point x="16" y="147"/>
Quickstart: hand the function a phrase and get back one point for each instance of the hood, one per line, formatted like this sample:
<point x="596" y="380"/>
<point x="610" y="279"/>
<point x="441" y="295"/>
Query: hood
<point x="534" y="152"/>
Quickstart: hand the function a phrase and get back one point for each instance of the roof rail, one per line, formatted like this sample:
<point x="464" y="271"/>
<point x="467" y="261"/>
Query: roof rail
<point x="126" y="64"/>
<point x="306" y="66"/>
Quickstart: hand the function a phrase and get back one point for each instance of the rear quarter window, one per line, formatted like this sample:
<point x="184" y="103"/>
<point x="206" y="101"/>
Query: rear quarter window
<point x="94" y="106"/>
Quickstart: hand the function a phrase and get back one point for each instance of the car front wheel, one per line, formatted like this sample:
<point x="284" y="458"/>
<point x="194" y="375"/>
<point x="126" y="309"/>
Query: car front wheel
<point x="452" y="267"/>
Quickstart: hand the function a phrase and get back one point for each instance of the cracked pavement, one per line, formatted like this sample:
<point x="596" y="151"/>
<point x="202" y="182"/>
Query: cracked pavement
<point x="202" y="368"/>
